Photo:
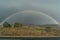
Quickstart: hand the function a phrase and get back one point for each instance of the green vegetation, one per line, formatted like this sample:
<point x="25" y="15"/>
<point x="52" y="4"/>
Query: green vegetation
<point x="6" y="24"/>
<point x="16" y="24"/>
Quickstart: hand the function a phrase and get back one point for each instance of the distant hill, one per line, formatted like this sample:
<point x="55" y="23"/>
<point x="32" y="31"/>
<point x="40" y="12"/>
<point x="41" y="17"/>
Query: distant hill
<point x="57" y="26"/>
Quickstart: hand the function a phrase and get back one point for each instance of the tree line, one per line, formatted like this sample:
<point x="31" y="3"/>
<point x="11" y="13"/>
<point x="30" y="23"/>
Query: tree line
<point x="6" y="24"/>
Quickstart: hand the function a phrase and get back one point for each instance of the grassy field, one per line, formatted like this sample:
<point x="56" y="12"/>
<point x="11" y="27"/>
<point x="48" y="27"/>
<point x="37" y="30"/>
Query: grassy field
<point x="30" y="31"/>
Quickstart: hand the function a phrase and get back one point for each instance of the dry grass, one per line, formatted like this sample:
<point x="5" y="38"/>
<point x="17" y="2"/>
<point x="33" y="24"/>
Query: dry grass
<point x="30" y="31"/>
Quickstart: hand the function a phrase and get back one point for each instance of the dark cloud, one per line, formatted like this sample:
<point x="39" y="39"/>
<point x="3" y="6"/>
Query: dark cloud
<point x="50" y="7"/>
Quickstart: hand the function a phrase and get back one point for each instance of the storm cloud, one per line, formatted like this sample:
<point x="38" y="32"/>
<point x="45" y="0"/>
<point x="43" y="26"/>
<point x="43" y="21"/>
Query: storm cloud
<point x="49" y="7"/>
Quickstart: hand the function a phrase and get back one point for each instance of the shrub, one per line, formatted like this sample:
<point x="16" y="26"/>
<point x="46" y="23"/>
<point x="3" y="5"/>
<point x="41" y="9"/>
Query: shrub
<point x="6" y="24"/>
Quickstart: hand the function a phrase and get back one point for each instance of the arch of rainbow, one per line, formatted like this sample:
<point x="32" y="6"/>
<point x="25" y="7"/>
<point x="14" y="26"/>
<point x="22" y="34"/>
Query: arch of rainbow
<point x="29" y="11"/>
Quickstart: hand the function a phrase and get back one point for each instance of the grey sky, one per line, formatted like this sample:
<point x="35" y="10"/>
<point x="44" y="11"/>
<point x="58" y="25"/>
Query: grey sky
<point x="50" y="7"/>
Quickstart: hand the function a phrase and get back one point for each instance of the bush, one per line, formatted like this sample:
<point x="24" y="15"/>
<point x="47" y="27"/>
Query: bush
<point x="6" y="24"/>
<point x="16" y="24"/>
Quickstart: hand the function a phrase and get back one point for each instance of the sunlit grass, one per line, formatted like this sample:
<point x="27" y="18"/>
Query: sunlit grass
<point x="23" y="31"/>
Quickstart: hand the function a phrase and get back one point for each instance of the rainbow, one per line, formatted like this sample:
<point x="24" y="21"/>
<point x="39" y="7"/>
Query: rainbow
<point x="30" y="11"/>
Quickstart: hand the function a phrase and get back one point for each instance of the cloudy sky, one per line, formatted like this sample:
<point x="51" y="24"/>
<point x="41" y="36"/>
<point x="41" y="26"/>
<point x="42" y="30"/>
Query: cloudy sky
<point x="49" y="7"/>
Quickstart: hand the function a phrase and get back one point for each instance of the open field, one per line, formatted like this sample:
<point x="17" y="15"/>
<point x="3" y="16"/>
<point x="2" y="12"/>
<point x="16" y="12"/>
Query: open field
<point x="28" y="32"/>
